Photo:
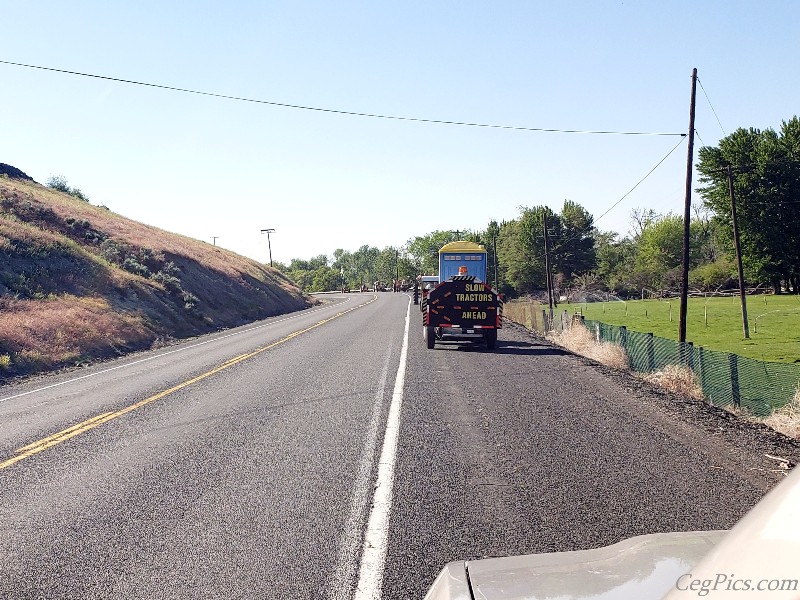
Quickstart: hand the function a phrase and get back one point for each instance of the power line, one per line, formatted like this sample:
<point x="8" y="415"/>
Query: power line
<point x="638" y="183"/>
<point x="712" y="107"/>
<point x="697" y="133"/>
<point x="610" y="208"/>
<point x="335" y="111"/>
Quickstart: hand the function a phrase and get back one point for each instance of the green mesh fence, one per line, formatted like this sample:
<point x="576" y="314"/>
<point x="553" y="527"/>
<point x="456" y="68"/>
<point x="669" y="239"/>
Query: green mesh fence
<point x="759" y="387"/>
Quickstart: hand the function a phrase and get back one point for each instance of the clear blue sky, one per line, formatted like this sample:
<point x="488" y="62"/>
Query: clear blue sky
<point x="204" y="166"/>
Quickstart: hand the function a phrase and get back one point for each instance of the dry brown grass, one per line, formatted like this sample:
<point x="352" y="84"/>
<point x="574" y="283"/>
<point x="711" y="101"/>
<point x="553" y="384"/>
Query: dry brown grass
<point x="63" y="330"/>
<point x="786" y="419"/>
<point x="69" y="293"/>
<point x="678" y="379"/>
<point x="527" y="314"/>
<point x="580" y="340"/>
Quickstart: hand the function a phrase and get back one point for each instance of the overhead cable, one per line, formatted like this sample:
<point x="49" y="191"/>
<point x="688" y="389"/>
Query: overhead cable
<point x="712" y="106"/>
<point x="336" y="111"/>
<point x="638" y="183"/>
<point x="610" y="208"/>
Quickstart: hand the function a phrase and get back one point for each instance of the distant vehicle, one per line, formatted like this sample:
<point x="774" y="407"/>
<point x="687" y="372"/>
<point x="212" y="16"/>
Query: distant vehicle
<point x="458" y="304"/>
<point x="758" y="558"/>
<point x="426" y="283"/>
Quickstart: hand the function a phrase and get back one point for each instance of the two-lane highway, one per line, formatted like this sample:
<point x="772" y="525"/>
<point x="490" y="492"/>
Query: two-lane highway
<point x="236" y="466"/>
<point x="329" y="454"/>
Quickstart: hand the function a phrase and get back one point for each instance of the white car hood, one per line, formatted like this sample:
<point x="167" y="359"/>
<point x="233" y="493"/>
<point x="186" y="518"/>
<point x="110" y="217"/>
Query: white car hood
<point x="641" y="567"/>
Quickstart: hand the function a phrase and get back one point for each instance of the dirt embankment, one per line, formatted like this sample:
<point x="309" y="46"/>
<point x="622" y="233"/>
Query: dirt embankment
<point x="80" y="283"/>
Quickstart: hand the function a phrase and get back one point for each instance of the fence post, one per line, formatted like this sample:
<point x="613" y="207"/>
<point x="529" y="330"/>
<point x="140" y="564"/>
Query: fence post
<point x="690" y="355"/>
<point x="701" y="371"/>
<point x="651" y="359"/>
<point x="623" y="337"/>
<point x="734" y="369"/>
<point x="597" y="331"/>
<point x="544" y="321"/>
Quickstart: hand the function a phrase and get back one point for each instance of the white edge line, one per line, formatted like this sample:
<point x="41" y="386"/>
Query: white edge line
<point x="167" y="353"/>
<point x="339" y="586"/>
<point x="376" y="536"/>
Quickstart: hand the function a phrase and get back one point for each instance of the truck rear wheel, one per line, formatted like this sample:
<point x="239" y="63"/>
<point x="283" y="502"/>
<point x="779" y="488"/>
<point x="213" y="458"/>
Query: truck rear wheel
<point x="430" y="337"/>
<point x="490" y="336"/>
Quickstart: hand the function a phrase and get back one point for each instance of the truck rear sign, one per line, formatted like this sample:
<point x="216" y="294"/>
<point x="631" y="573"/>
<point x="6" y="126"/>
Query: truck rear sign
<point x="463" y="302"/>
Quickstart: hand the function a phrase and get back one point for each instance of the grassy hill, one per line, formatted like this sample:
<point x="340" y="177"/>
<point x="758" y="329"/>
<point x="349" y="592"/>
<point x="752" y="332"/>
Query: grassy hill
<point x="78" y="282"/>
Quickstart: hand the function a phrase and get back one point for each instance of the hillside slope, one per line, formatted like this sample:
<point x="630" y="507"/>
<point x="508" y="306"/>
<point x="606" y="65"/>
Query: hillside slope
<point x="78" y="282"/>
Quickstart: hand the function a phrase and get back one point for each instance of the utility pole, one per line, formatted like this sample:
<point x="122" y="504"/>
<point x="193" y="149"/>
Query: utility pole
<point x="494" y="258"/>
<point x="214" y="238"/>
<point x="687" y="215"/>
<point x="547" y="266"/>
<point x="737" y="243"/>
<point x="269" y="244"/>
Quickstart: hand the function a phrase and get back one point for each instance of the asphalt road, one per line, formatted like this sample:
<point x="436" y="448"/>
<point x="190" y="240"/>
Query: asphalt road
<point x="243" y="464"/>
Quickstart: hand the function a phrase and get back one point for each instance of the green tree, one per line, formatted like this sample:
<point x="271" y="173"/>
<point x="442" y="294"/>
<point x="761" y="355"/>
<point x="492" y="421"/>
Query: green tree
<point x="660" y="251"/>
<point x="312" y="264"/>
<point x="615" y="259"/>
<point x="325" y="279"/>
<point x="387" y="264"/>
<point x="521" y="250"/>
<point x="303" y="278"/>
<point x="766" y="169"/>
<point x="575" y="252"/>
<point x="490" y="239"/>
<point x="658" y="262"/>
<point x="423" y="251"/>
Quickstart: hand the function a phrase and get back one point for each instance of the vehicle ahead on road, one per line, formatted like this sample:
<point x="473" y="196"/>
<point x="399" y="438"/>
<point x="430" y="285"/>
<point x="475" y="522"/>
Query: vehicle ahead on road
<point x="759" y="557"/>
<point x="461" y="305"/>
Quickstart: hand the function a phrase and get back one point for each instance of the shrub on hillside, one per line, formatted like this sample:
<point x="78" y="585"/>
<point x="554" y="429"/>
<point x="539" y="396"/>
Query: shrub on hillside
<point x="190" y="302"/>
<point x="167" y="277"/>
<point x="131" y="265"/>
<point x="110" y="250"/>
<point x="60" y="183"/>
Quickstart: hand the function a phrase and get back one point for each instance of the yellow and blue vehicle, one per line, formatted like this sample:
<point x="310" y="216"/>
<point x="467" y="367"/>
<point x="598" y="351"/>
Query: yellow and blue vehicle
<point x="461" y="305"/>
<point x="462" y="258"/>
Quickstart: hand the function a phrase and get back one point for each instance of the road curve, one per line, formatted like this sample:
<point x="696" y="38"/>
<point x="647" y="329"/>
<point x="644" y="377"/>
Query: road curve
<point x="244" y="464"/>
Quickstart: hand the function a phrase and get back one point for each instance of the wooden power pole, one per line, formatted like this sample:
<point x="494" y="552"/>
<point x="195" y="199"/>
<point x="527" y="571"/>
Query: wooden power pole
<point x="547" y="267"/>
<point x="687" y="215"/>
<point x="737" y="243"/>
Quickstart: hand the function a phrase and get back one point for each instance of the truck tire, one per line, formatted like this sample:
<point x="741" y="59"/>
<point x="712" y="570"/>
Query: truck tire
<point x="430" y="337"/>
<point x="490" y="336"/>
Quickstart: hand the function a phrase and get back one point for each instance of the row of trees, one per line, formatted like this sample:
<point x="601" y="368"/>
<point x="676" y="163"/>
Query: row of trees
<point x="766" y="181"/>
<point x="351" y="270"/>
<point x="766" y="178"/>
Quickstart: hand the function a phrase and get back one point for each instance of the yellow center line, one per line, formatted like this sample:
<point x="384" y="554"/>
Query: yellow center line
<point x="79" y="428"/>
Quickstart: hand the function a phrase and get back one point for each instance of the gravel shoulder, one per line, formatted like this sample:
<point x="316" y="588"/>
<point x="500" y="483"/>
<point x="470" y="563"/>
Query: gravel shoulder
<point x="750" y="449"/>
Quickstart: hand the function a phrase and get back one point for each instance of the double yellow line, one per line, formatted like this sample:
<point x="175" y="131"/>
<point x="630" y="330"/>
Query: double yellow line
<point x="79" y="428"/>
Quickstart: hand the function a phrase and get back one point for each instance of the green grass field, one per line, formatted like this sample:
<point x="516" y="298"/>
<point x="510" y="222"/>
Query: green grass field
<point x="715" y="323"/>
